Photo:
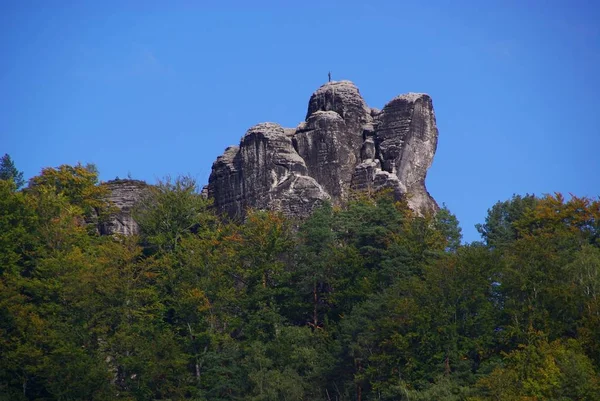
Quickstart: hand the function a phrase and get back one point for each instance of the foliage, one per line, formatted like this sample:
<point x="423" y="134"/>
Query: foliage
<point x="75" y="185"/>
<point x="367" y="301"/>
<point x="545" y="371"/>
<point x="9" y="172"/>
<point x="169" y="211"/>
<point x="498" y="230"/>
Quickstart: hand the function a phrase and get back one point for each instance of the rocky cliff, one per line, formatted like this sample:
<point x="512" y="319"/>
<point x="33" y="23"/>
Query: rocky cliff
<point x="123" y="195"/>
<point x="342" y="146"/>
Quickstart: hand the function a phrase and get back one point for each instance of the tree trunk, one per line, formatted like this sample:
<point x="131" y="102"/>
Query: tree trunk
<point x="358" y="385"/>
<point x="315" y="302"/>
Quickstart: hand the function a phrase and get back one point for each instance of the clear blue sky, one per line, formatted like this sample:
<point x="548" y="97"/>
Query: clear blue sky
<point x="156" y="88"/>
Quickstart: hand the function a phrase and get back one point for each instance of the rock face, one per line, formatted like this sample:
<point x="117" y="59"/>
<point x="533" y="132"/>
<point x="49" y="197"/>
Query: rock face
<point x="124" y="195"/>
<point x="265" y="171"/>
<point x="342" y="146"/>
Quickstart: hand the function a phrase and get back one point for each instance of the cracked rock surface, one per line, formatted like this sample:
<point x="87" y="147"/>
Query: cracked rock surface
<point x="342" y="146"/>
<point x="124" y="195"/>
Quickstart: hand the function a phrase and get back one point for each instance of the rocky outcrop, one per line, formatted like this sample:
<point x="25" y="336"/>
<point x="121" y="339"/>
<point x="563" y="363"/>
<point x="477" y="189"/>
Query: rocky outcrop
<point x="265" y="171"/>
<point x="342" y="146"/>
<point x="407" y="136"/>
<point x="123" y="196"/>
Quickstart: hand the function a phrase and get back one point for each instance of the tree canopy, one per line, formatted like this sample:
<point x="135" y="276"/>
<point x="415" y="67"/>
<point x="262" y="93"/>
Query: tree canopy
<point x="363" y="302"/>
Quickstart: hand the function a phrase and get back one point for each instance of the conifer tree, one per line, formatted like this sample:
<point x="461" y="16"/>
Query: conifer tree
<point x="8" y="171"/>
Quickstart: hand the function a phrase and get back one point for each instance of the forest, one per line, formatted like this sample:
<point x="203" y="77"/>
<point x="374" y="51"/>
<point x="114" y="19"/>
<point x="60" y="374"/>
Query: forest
<point x="366" y="301"/>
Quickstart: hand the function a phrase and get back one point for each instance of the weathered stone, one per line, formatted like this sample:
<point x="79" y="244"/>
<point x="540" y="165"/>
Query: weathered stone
<point x="263" y="172"/>
<point x="328" y="154"/>
<point x="298" y="195"/>
<point x="368" y="151"/>
<point x="225" y="182"/>
<point x="364" y="175"/>
<point x="387" y="180"/>
<point x="407" y="137"/>
<point x="342" y="145"/>
<point x="123" y="195"/>
<point x="343" y="98"/>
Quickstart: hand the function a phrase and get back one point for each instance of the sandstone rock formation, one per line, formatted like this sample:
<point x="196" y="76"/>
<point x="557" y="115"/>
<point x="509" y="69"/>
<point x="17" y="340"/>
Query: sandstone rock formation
<point x="342" y="146"/>
<point x="124" y="195"/>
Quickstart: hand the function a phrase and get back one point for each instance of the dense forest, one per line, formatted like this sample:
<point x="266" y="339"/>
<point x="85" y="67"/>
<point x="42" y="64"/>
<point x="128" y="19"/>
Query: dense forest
<point x="363" y="302"/>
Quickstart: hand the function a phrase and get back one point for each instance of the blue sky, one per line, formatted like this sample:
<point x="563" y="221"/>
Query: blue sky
<point x="162" y="88"/>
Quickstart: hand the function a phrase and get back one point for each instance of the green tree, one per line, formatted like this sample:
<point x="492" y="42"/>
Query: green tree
<point x="197" y="286"/>
<point x="79" y="186"/>
<point x="440" y="323"/>
<point x="447" y="224"/>
<point x="315" y="269"/>
<point x="542" y="371"/>
<point x="539" y="278"/>
<point x="498" y="229"/>
<point x="265" y="238"/>
<point x="169" y="211"/>
<point x="18" y="223"/>
<point x="44" y="347"/>
<point x="115" y="301"/>
<point x="291" y="367"/>
<point x="8" y="171"/>
<point x="585" y="270"/>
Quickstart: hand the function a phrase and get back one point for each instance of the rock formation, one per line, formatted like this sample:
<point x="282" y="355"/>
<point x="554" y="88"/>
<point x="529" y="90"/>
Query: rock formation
<point x="124" y="195"/>
<point x="342" y="146"/>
